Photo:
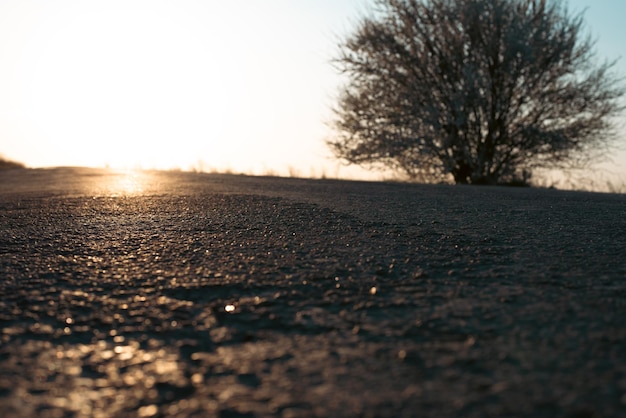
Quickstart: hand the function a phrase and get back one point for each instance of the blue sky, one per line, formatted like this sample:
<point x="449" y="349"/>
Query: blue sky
<point x="242" y="86"/>
<point x="605" y="19"/>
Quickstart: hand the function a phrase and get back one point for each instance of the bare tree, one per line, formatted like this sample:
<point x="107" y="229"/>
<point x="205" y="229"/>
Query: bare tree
<point x="478" y="91"/>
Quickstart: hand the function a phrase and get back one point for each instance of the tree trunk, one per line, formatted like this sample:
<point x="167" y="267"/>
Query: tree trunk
<point x="462" y="172"/>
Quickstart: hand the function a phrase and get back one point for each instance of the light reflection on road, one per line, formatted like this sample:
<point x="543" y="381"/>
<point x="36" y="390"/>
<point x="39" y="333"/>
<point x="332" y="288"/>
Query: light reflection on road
<point x="76" y="181"/>
<point x="103" y="379"/>
<point x="124" y="183"/>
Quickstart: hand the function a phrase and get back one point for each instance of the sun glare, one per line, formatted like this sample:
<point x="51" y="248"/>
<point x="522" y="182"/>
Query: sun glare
<point x="125" y="87"/>
<point x="229" y="86"/>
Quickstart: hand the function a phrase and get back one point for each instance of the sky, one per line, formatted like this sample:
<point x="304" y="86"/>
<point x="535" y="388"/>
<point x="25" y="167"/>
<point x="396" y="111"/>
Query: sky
<point x="241" y="86"/>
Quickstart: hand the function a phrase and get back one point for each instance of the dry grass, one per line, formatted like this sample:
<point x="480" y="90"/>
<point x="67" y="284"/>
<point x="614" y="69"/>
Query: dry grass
<point x="598" y="181"/>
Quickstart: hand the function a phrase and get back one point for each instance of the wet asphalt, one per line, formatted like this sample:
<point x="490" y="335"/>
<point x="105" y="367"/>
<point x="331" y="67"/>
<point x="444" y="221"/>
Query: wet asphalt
<point x="152" y="294"/>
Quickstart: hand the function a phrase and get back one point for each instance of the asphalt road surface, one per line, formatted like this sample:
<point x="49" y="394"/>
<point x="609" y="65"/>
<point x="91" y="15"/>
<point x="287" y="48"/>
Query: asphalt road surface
<point x="181" y="294"/>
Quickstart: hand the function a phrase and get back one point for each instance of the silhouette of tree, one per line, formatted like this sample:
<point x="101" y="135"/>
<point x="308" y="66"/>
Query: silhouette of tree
<point x="478" y="91"/>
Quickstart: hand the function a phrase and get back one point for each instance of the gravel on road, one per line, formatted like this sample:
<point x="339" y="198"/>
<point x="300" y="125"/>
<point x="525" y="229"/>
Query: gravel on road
<point x="183" y="294"/>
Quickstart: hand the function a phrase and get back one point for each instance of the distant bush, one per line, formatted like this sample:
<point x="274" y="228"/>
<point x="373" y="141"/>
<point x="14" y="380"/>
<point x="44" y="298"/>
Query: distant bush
<point x="8" y="165"/>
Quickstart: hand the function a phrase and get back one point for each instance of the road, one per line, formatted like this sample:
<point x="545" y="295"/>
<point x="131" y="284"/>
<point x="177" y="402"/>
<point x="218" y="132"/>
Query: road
<point x="182" y="294"/>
